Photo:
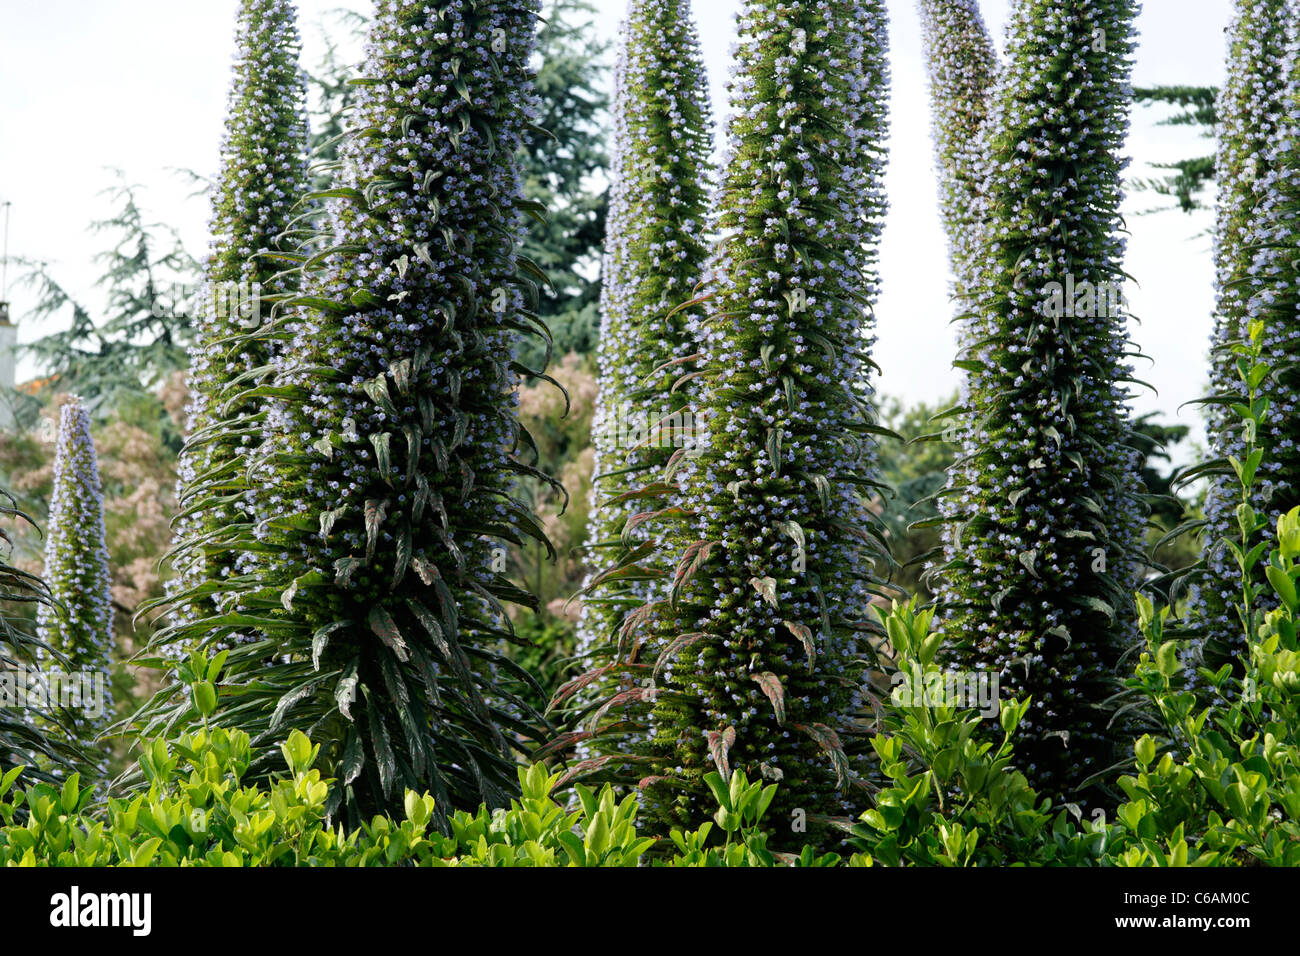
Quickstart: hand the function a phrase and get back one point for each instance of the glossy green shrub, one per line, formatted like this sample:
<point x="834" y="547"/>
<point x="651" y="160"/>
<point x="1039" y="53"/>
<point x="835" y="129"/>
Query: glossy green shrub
<point x="198" y="810"/>
<point x="953" y="797"/>
<point x="1225" y="788"/>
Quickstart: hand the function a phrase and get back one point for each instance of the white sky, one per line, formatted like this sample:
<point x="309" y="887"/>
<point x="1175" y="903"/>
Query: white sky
<point x="141" y="85"/>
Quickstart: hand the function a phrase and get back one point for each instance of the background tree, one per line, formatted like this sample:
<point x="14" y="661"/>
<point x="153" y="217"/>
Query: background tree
<point x="1044" y="520"/>
<point x="1190" y="176"/>
<point x="79" y="627"/>
<point x="392" y="438"/>
<point x="566" y="173"/>
<point x="148" y="325"/>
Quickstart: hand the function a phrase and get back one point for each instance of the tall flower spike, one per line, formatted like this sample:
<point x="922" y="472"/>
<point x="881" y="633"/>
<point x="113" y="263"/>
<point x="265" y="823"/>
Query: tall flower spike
<point x="1251" y="108"/>
<point x="80" y="628"/>
<point x="263" y="176"/>
<point x="374" y="603"/>
<point x="655" y="254"/>
<point x="1044" y="518"/>
<point x="962" y="66"/>
<point x="758" y="643"/>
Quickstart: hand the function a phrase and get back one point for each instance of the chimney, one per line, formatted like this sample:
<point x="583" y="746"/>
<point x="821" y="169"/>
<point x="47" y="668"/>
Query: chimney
<point x="8" y="363"/>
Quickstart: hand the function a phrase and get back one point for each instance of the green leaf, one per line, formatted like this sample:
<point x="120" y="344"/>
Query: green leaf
<point x="205" y="698"/>
<point x="70" y="795"/>
<point x="1283" y="585"/>
<point x="1167" y="658"/>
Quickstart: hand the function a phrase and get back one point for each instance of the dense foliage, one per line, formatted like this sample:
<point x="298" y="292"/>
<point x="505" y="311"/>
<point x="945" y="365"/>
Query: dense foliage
<point x="1223" y="788"/>
<point x="751" y="656"/>
<point x="199" y="810"/>
<point x="22" y="738"/>
<point x="1218" y="786"/>
<point x="396" y="513"/>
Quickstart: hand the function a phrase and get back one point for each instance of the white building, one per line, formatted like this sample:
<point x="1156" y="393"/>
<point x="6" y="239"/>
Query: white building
<point x="8" y="366"/>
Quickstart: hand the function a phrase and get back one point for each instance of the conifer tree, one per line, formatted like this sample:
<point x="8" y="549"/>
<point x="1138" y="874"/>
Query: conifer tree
<point x="655" y="256"/>
<point x="143" y="333"/>
<point x="758" y="635"/>
<point x="1251" y="107"/>
<point x="392" y="445"/>
<point x="79" y="628"/>
<point x="1044" y="525"/>
<point x="561" y="171"/>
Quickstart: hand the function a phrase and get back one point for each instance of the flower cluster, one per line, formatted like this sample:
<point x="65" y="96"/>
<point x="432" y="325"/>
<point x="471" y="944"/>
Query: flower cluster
<point x="1044" y="516"/>
<point x="655" y="254"/>
<point x="80" y="626"/>
<point x="1256" y="127"/>
<point x="760" y="638"/>
<point x="263" y="176"/>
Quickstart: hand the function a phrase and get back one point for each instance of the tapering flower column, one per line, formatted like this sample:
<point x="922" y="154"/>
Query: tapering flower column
<point x="655" y="253"/>
<point x="1042" y="542"/>
<point x="391" y="438"/>
<point x="263" y="176"/>
<point x="80" y="626"/>
<point x="962" y="66"/>
<point x="759" y="640"/>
